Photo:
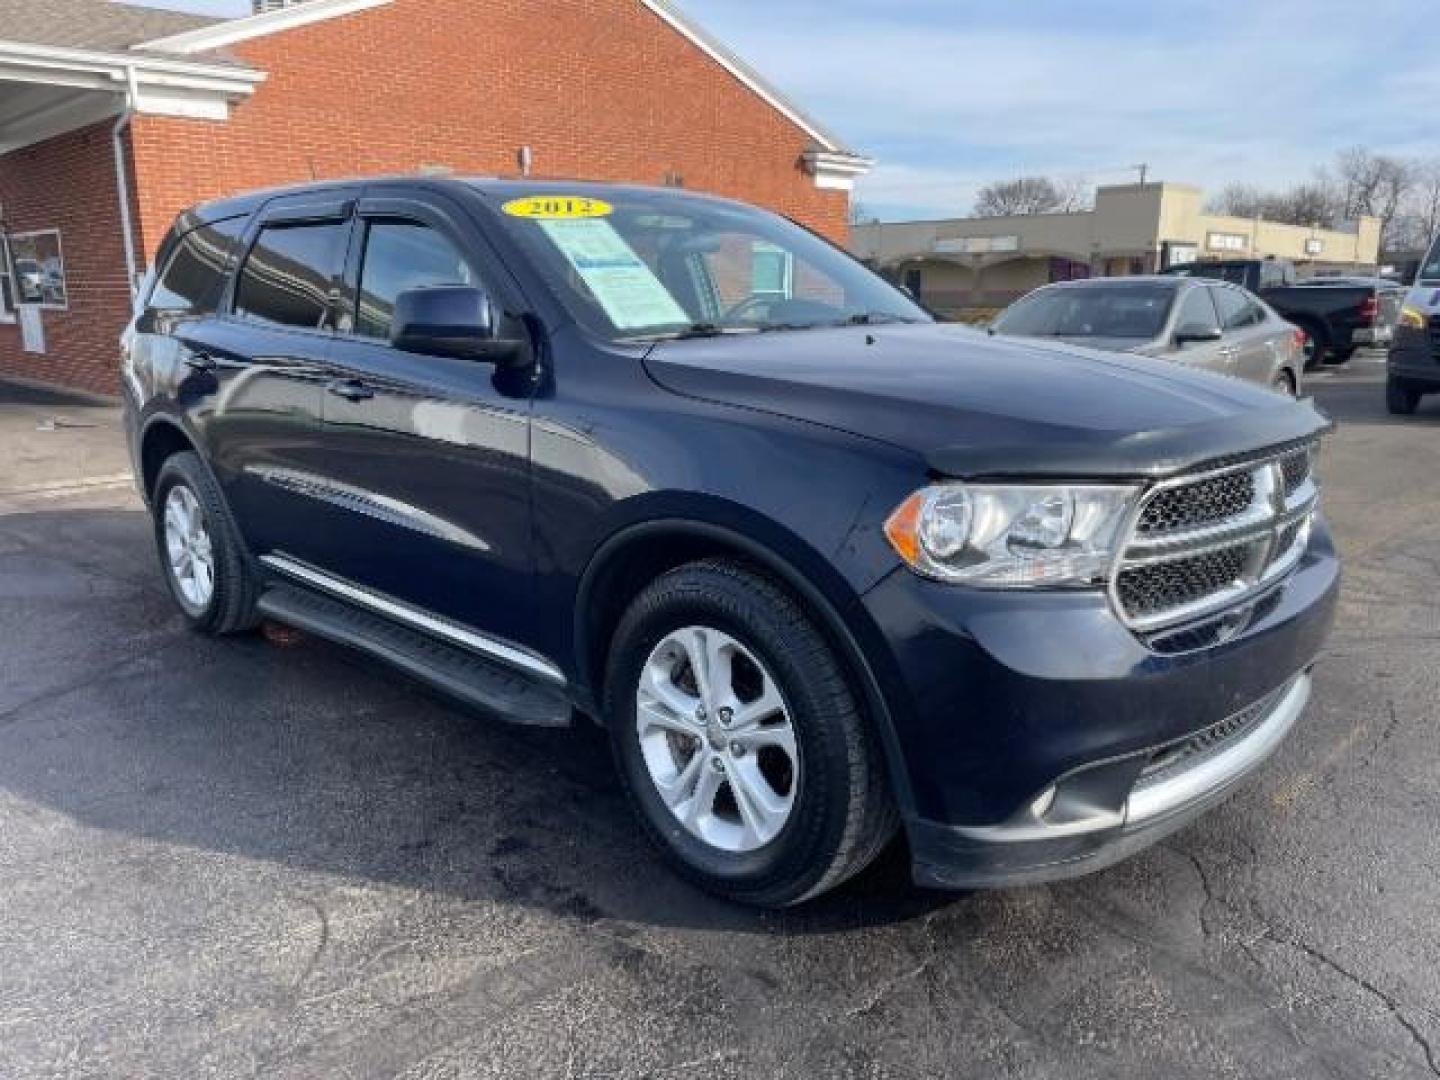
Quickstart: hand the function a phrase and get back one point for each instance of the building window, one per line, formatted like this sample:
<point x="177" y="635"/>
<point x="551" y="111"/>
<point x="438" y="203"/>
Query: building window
<point x="1219" y="241"/>
<point x="37" y="266"/>
<point x="772" y="272"/>
<point x="7" y="283"/>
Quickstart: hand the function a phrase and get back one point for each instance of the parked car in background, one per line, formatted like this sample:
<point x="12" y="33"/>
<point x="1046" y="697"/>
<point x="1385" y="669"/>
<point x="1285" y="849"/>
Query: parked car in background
<point x="1206" y="325"/>
<point x="1337" y="319"/>
<point x="1414" y="363"/>
<point x="30" y="277"/>
<point x="822" y="568"/>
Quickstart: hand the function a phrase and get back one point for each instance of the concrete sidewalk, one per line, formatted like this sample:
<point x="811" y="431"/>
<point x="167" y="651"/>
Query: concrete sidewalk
<point x="53" y="442"/>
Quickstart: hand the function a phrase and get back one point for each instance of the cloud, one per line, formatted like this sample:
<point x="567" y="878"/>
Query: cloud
<point x="1207" y="91"/>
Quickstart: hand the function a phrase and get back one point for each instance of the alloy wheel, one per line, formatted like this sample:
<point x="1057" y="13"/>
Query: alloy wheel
<point x="188" y="547"/>
<point x="717" y="739"/>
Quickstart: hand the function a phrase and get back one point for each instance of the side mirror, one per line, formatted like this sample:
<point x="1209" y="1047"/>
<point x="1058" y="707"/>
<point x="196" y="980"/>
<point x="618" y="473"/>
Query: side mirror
<point x="451" y="320"/>
<point x="1197" y="332"/>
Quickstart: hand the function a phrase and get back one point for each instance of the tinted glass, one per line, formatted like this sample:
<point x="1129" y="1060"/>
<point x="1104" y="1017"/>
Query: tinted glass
<point x="1197" y="311"/>
<point x="402" y="255"/>
<point x="1236" y="309"/>
<point x="633" y="264"/>
<point x="1430" y="267"/>
<point x="1101" y="311"/>
<point x="290" y="272"/>
<point x="190" y="284"/>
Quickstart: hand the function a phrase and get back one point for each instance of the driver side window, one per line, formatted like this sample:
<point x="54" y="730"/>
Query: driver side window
<point x="401" y="255"/>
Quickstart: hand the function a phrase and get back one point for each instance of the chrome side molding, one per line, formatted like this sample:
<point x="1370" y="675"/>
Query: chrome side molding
<point x="417" y="618"/>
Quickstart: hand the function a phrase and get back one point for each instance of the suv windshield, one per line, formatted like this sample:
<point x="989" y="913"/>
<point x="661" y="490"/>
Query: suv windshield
<point x="1430" y="268"/>
<point x="1114" y="311"/>
<point x="632" y="264"/>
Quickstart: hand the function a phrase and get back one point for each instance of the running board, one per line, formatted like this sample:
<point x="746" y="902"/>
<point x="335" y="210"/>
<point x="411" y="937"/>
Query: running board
<point x="448" y="668"/>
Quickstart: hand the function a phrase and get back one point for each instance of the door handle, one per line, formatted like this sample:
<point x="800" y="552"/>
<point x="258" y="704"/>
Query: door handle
<point x="200" y="362"/>
<point x="351" y="390"/>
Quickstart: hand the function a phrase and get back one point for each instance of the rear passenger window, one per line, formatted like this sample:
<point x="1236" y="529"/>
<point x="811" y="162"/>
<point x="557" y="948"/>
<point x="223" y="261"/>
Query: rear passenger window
<point x="190" y="283"/>
<point x="1197" y="311"/>
<point x="1237" y="310"/>
<point x="401" y="255"/>
<point x="290" y="274"/>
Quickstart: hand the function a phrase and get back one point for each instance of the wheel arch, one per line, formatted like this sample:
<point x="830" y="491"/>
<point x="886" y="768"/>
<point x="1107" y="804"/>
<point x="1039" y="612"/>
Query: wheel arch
<point x="161" y="438"/>
<point x="639" y="553"/>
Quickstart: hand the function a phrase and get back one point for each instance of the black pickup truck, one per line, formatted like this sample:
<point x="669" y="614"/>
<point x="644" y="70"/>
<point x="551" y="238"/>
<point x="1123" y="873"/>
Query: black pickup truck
<point x="1338" y="315"/>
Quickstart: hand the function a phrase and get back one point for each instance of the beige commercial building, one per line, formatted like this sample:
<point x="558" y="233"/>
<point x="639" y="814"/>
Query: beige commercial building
<point x="965" y="266"/>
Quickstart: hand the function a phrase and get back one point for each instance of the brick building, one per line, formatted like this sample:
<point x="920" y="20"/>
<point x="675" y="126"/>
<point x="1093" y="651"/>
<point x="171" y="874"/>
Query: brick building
<point x="115" y="117"/>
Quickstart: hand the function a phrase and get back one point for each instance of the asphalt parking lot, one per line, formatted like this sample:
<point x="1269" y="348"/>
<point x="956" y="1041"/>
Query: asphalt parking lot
<point x="249" y="858"/>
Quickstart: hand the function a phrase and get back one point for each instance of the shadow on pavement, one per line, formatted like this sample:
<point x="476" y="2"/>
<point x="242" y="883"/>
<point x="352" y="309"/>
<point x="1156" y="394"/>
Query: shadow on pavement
<point x="312" y="756"/>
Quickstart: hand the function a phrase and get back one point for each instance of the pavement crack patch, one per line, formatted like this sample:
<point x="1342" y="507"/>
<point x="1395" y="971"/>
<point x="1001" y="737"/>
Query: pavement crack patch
<point x="890" y="986"/>
<point x="321" y="944"/>
<point x="13" y="714"/>
<point x="1207" y="890"/>
<point x="1393" y="1006"/>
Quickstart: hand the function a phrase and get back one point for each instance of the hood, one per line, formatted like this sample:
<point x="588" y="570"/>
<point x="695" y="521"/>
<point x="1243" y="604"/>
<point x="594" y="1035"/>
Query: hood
<point x="973" y="405"/>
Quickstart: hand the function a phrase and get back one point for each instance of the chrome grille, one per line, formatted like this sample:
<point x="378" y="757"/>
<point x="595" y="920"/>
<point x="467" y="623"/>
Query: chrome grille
<point x="1145" y="590"/>
<point x="1295" y="468"/>
<point x="1203" y="503"/>
<point x="1208" y="543"/>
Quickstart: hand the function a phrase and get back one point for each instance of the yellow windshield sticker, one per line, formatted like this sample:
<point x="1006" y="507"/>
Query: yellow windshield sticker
<point x="558" y="207"/>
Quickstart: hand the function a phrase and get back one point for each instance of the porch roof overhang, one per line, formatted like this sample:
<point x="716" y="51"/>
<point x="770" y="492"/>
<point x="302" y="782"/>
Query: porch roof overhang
<point x="47" y="90"/>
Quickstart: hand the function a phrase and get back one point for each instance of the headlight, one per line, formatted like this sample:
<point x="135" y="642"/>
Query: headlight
<point x="1011" y="536"/>
<point x="1413" y="317"/>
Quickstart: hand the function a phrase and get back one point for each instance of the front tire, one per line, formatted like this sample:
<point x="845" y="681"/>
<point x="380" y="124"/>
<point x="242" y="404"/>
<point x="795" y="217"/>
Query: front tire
<point x="739" y="740"/>
<point x="1400" y="398"/>
<point x="201" y="555"/>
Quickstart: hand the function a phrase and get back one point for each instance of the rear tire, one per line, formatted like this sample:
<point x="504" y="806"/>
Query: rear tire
<point x="1400" y="397"/>
<point x="1284" y="383"/>
<point x="201" y="555"/>
<point x="755" y="640"/>
<point x="1317" y="343"/>
<point x="1342" y="356"/>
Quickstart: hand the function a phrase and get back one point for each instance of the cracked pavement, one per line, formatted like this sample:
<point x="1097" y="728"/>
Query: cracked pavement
<point x="264" y="857"/>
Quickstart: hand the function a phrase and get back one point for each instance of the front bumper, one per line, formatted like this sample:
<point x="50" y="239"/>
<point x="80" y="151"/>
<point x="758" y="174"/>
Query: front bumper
<point x="1029" y="724"/>
<point x="1090" y="837"/>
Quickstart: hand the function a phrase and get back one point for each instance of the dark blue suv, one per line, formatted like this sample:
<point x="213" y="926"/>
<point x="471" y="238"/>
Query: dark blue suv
<point x="824" y="569"/>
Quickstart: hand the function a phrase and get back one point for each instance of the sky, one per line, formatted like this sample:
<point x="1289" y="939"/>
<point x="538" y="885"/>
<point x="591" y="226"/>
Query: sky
<point x="947" y="95"/>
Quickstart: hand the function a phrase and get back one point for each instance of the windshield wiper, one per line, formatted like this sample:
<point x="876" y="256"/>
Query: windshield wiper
<point x="695" y="330"/>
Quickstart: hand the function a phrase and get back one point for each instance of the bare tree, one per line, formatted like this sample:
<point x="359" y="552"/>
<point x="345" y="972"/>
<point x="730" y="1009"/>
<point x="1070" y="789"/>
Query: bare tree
<point x="1374" y="186"/>
<point x="1421" y="222"/>
<point x="1023" y="195"/>
<point x="1238" y="200"/>
<point x="1076" y="195"/>
<point x="1315" y="203"/>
